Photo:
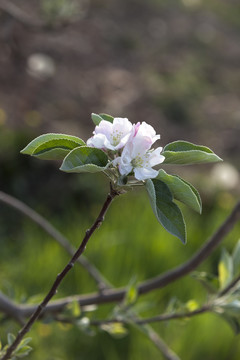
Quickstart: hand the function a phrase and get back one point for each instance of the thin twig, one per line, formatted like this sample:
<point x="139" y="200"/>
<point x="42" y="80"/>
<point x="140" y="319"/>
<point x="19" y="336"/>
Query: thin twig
<point x="53" y="232"/>
<point x="167" y="353"/>
<point x="229" y="286"/>
<point x="113" y="193"/>
<point x="149" y="320"/>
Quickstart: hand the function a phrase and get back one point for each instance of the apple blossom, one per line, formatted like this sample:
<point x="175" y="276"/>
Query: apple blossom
<point x="139" y="161"/>
<point x="111" y="136"/>
<point x="136" y="155"/>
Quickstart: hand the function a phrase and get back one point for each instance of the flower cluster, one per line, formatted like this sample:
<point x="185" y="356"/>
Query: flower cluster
<point x="131" y="145"/>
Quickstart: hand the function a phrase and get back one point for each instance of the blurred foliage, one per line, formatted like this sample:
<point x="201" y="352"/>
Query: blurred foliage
<point x="58" y="10"/>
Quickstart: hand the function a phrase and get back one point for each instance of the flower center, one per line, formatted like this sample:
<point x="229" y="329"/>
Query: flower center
<point x="137" y="162"/>
<point x="116" y="137"/>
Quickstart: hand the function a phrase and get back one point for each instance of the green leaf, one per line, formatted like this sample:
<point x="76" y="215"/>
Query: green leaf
<point x="73" y="309"/>
<point x="225" y="269"/>
<point x="24" y="342"/>
<point x="236" y="258"/>
<point x="116" y="330"/>
<point x="96" y="118"/>
<point x="55" y="149"/>
<point x="107" y="117"/>
<point x="85" y="159"/>
<point x="166" y="211"/>
<point x="52" y="146"/>
<point x="23" y="351"/>
<point x="182" y="190"/>
<point x="232" y="321"/>
<point x="10" y="338"/>
<point x="186" y="153"/>
<point x="131" y="294"/>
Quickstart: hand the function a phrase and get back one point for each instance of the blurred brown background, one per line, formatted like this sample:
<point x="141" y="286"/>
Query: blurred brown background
<point x="174" y="64"/>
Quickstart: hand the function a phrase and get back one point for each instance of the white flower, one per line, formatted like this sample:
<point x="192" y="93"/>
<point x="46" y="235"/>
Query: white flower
<point x="144" y="130"/>
<point x="112" y="136"/>
<point x="137" y="156"/>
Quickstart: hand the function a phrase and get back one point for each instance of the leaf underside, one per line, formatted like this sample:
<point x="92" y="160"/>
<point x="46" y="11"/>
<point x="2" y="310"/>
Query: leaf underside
<point x="166" y="211"/>
<point x="182" y="190"/>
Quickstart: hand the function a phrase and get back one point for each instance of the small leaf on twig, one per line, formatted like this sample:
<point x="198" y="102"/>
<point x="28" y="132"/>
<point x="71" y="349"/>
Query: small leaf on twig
<point x="225" y="269"/>
<point x="117" y="330"/>
<point x="97" y="118"/>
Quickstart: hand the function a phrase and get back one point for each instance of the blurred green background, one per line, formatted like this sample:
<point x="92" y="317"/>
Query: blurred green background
<point x="173" y="64"/>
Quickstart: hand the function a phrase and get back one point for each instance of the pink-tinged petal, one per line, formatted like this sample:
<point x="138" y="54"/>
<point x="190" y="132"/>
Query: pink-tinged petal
<point x="146" y="130"/>
<point x="145" y="173"/>
<point x="135" y="128"/>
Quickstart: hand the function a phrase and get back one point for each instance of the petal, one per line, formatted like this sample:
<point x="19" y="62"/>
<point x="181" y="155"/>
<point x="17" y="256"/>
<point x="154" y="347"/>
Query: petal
<point x="126" y="157"/>
<point x="122" y="124"/>
<point x="105" y="127"/>
<point x="97" y="141"/>
<point x="155" y="138"/>
<point x="146" y="130"/>
<point x="140" y="145"/>
<point x="155" y="158"/>
<point x="145" y="173"/>
<point x="123" y="141"/>
<point x="125" y="169"/>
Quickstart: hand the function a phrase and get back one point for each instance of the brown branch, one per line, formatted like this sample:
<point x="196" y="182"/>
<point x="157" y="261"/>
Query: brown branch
<point x="113" y="193"/>
<point x="197" y="259"/>
<point x="115" y="295"/>
<point x="149" y="320"/>
<point x="55" y="234"/>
